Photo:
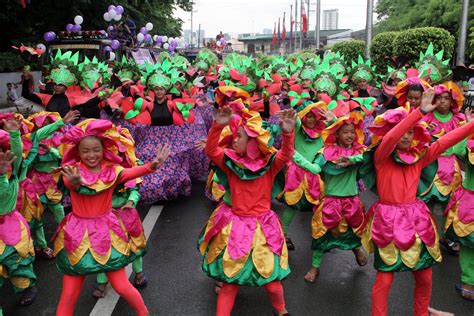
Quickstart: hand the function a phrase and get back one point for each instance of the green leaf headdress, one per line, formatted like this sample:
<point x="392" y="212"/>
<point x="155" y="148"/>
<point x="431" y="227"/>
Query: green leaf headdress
<point x="93" y="72"/>
<point x="328" y="79"/>
<point x="64" y="68"/>
<point x="127" y="70"/>
<point x="337" y="61"/>
<point x="362" y="70"/>
<point x="157" y="75"/>
<point x="397" y="73"/>
<point x="431" y="66"/>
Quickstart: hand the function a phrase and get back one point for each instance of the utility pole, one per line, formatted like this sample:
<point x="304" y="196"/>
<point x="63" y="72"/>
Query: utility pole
<point x="192" y="37"/>
<point x="462" y="34"/>
<point x="368" y="27"/>
<point x="199" y="36"/>
<point x="301" y="25"/>
<point x="291" y="28"/>
<point x="296" y="20"/>
<point x="318" y="23"/>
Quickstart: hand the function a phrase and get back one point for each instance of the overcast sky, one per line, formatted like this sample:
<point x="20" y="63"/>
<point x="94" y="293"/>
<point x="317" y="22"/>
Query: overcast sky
<point x="252" y="16"/>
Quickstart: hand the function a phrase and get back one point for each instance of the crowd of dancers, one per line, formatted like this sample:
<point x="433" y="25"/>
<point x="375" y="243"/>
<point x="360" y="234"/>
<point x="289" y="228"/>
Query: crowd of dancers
<point x="310" y="132"/>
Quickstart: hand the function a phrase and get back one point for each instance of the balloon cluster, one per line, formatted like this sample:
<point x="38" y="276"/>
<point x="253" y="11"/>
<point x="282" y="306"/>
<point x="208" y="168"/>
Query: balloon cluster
<point x="76" y="27"/>
<point x="143" y="36"/>
<point x="113" y="13"/>
<point x="49" y="36"/>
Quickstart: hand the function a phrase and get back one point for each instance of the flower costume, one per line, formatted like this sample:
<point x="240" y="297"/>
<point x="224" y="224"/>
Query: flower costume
<point x="399" y="229"/>
<point x="338" y="221"/>
<point x="243" y="242"/>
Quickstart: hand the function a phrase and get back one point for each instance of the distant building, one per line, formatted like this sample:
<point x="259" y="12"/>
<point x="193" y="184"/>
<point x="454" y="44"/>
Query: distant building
<point x="330" y="19"/>
<point x="197" y="35"/>
<point x="267" y="31"/>
<point x="254" y="43"/>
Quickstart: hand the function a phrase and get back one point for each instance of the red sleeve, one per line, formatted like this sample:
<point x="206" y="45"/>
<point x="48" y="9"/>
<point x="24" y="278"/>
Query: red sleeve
<point x="135" y="172"/>
<point x="448" y="140"/>
<point x="44" y="97"/>
<point x="285" y="153"/>
<point x="215" y="153"/>
<point x="390" y="140"/>
<point x="68" y="184"/>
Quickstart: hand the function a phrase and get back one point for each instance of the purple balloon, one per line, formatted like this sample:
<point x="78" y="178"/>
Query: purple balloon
<point x="110" y="28"/>
<point x="159" y="39"/>
<point x="143" y="30"/>
<point x="112" y="7"/>
<point x="69" y="27"/>
<point x="115" y="44"/>
<point x="119" y="9"/>
<point x="49" y="36"/>
<point x="222" y="41"/>
<point x="107" y="49"/>
<point x="76" y="28"/>
<point x="147" y="38"/>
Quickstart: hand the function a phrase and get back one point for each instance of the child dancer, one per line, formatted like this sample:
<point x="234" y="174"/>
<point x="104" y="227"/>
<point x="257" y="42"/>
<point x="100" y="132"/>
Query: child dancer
<point x="303" y="186"/>
<point x="16" y="244"/>
<point x="459" y="219"/>
<point x="244" y="244"/>
<point x="91" y="240"/>
<point x="400" y="229"/>
<point x="338" y="222"/>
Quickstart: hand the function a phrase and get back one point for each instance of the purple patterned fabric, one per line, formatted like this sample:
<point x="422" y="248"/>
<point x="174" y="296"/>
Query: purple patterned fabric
<point x="185" y="161"/>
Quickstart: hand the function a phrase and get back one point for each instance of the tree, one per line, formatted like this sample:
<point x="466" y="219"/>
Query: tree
<point x="381" y="49"/>
<point x="28" y="25"/>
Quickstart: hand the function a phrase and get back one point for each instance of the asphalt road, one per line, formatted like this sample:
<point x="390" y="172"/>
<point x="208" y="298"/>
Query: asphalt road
<point x="177" y="285"/>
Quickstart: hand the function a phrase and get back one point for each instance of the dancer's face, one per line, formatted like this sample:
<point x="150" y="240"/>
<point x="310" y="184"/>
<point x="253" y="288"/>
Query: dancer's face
<point x="362" y="84"/>
<point x="91" y="152"/>
<point x="405" y="142"/>
<point x="240" y="142"/>
<point x="414" y="98"/>
<point x="306" y="83"/>
<point x="59" y="88"/>
<point x="160" y="92"/>
<point x="310" y="120"/>
<point x="345" y="135"/>
<point x="443" y="103"/>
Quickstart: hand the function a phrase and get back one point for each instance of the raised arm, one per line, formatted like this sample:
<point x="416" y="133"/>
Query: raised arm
<point x="391" y="139"/>
<point x="215" y="153"/>
<point x="446" y="141"/>
<point x="287" y="150"/>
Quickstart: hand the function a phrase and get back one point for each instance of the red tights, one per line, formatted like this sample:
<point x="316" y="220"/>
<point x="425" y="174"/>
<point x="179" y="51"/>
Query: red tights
<point x="381" y="290"/>
<point x="226" y="298"/>
<point x="118" y="280"/>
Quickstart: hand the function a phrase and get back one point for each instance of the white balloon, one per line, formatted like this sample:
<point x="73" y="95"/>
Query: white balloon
<point x="149" y="26"/>
<point x="140" y="37"/>
<point x="218" y="43"/>
<point x="118" y="17"/>
<point x="170" y="39"/>
<point x="107" y="17"/>
<point x="155" y="37"/>
<point x="112" y="13"/>
<point x="42" y="47"/>
<point x="164" y="39"/>
<point x="166" y="45"/>
<point x="112" y="56"/>
<point x="78" y="19"/>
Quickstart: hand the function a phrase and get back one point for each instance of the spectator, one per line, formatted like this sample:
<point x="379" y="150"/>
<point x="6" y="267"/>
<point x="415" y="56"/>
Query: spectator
<point x="26" y="81"/>
<point x="11" y="92"/>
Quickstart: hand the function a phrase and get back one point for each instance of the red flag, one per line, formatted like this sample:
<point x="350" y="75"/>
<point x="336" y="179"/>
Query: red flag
<point x="23" y="4"/>
<point x="274" y="39"/>
<point x="304" y="18"/>
<point x="283" y="33"/>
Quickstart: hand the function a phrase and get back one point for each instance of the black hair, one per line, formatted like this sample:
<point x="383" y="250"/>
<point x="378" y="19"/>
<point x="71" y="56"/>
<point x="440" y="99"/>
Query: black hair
<point x="91" y="136"/>
<point x="416" y="87"/>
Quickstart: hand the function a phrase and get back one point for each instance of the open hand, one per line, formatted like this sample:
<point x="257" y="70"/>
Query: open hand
<point x="287" y="118"/>
<point x="129" y="204"/>
<point x="72" y="175"/>
<point x="427" y="105"/>
<point x="328" y="115"/>
<point x="200" y="144"/>
<point x="13" y="124"/>
<point x="342" y="162"/>
<point x="223" y="115"/>
<point x="6" y="159"/>
<point x="162" y="154"/>
<point x="71" y="116"/>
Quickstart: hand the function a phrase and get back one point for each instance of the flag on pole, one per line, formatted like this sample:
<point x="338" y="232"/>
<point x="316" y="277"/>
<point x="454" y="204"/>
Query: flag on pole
<point x="283" y="33"/>
<point x="304" y="19"/>
<point x="279" y="33"/>
<point x="274" y="39"/>
<point x="291" y="25"/>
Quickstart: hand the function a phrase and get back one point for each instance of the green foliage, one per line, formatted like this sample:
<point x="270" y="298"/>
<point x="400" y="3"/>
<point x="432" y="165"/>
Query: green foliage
<point x="471" y="43"/>
<point x="10" y="62"/>
<point x="405" y="14"/>
<point x="28" y="25"/>
<point x="350" y="49"/>
<point x="381" y="49"/>
<point x="411" y="42"/>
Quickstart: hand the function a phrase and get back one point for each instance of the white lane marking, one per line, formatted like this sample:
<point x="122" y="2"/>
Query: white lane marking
<point x="105" y="306"/>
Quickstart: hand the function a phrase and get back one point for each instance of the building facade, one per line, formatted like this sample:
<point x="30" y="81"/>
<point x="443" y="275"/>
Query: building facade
<point x="330" y="19"/>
